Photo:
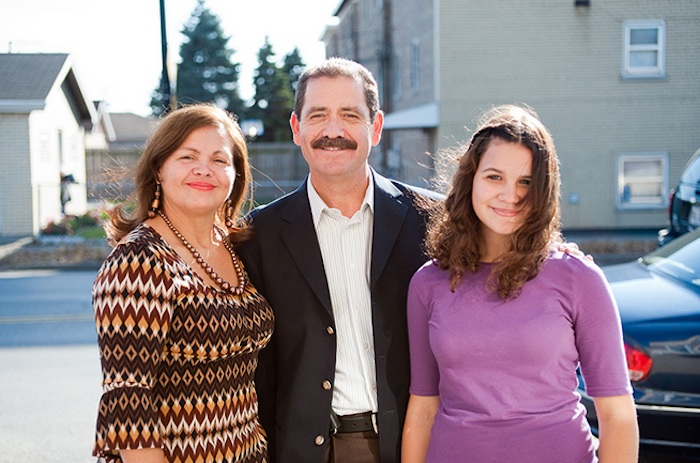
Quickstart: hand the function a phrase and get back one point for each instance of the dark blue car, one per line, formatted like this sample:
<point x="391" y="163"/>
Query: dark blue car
<point x="659" y="300"/>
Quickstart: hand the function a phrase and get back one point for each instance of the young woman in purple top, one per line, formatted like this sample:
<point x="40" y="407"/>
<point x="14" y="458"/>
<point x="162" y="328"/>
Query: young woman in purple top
<point x="500" y="319"/>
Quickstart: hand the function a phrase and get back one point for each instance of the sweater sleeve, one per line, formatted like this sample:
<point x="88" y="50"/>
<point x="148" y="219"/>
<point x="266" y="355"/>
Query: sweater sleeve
<point x="599" y="334"/>
<point x="132" y="316"/>
<point x="425" y="376"/>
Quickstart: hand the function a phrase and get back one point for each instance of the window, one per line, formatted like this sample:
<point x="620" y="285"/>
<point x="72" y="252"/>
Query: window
<point x="644" y="49"/>
<point x="415" y="66"/>
<point x="642" y="180"/>
<point x="396" y="81"/>
<point x="382" y="85"/>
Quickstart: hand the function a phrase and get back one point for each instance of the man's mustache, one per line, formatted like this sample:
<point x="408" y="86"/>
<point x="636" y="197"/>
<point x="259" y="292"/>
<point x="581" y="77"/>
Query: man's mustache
<point x="340" y="143"/>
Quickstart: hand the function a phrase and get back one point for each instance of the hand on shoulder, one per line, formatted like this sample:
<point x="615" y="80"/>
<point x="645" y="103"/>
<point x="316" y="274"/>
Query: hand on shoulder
<point x="572" y="249"/>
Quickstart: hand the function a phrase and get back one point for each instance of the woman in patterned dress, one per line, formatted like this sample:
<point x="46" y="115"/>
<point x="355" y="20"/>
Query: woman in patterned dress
<point x="179" y="325"/>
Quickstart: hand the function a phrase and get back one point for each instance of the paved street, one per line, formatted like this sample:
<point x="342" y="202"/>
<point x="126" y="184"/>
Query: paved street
<point x="48" y="403"/>
<point x="46" y="307"/>
<point x="49" y="367"/>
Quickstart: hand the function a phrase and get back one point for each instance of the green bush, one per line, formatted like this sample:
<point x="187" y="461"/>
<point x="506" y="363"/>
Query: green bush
<point x="90" y="233"/>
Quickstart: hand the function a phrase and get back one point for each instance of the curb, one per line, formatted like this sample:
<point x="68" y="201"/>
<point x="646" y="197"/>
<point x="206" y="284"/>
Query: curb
<point x="9" y="248"/>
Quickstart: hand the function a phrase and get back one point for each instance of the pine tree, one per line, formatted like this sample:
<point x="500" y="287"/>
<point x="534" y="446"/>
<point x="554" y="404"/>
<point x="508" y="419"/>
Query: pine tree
<point x="205" y="72"/>
<point x="274" y="99"/>
<point x="293" y="67"/>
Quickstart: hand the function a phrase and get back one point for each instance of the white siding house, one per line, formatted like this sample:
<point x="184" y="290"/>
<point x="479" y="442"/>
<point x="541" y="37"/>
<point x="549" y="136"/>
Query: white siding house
<point x="44" y="115"/>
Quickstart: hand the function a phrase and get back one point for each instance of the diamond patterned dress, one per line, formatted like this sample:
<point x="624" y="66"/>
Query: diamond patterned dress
<point x="178" y="358"/>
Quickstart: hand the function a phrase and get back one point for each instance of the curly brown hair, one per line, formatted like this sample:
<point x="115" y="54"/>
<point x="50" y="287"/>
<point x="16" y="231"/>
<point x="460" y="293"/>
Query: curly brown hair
<point x="172" y="131"/>
<point x="454" y="237"/>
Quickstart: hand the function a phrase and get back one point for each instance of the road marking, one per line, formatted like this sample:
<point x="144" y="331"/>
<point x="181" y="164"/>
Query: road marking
<point x="47" y="319"/>
<point x="11" y="274"/>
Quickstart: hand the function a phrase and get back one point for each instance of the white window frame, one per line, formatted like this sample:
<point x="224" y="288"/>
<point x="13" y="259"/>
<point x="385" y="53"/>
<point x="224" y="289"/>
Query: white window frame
<point x="659" y="70"/>
<point x="625" y="183"/>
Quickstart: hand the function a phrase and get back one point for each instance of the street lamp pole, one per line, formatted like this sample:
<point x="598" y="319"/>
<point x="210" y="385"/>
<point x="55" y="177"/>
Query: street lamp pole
<point x="165" y="89"/>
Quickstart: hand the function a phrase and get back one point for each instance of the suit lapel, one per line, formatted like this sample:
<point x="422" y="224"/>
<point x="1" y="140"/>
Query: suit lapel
<point x="299" y="235"/>
<point x="389" y="214"/>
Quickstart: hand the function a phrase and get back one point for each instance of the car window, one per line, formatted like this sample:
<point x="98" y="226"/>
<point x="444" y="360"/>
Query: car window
<point x="679" y="259"/>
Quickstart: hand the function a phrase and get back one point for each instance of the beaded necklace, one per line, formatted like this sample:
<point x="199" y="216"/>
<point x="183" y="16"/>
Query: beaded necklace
<point x="225" y="285"/>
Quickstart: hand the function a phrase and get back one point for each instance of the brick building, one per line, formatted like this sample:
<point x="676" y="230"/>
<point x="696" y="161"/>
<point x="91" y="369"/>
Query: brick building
<point x="616" y="83"/>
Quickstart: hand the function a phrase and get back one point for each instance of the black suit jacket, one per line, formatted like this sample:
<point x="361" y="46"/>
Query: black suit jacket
<point x="283" y="260"/>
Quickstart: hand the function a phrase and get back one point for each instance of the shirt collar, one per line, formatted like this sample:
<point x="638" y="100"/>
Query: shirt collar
<point x="318" y="205"/>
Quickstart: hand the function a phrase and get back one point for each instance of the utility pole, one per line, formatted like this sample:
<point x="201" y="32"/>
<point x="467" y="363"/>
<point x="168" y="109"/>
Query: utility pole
<point x="165" y="88"/>
<point x="387" y="60"/>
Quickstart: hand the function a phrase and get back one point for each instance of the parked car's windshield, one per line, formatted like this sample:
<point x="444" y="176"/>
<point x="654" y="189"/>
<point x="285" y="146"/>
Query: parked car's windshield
<point x="691" y="175"/>
<point x="679" y="259"/>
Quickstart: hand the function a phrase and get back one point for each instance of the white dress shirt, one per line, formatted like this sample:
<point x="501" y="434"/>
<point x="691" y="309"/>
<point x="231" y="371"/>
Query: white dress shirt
<point x="346" y="248"/>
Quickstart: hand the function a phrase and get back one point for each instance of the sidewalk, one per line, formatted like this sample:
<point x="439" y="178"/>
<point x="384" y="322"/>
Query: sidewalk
<point x="48" y="403"/>
<point x="8" y="247"/>
<point x="50" y="252"/>
<point x="613" y="246"/>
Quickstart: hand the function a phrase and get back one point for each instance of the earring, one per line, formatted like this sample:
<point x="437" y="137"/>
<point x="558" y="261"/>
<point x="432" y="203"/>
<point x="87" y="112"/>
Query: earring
<point x="229" y="215"/>
<point x="156" y="202"/>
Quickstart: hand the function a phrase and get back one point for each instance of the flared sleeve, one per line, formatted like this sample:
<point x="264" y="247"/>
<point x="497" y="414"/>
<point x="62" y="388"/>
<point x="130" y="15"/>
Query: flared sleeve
<point x="132" y="315"/>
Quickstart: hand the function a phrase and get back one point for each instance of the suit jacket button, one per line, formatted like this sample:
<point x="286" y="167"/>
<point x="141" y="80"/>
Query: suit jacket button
<point x="319" y="440"/>
<point x="327" y="385"/>
<point x="330" y="330"/>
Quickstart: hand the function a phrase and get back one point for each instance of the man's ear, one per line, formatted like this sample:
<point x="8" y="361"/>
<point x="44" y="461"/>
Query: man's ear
<point x="377" y="126"/>
<point x="294" y="124"/>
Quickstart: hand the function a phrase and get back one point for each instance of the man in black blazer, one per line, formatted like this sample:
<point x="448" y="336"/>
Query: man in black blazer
<point x="305" y="383"/>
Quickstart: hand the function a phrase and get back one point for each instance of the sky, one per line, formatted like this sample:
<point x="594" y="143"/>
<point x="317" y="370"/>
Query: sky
<point x="116" y="44"/>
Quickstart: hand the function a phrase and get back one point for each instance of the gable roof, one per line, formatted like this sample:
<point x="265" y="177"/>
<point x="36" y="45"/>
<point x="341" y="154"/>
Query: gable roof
<point x="29" y="76"/>
<point x="27" y="79"/>
<point x="131" y="131"/>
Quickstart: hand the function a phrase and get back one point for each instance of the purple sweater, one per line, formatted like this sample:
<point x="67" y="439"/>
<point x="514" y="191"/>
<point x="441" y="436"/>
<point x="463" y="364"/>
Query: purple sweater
<point x="505" y="371"/>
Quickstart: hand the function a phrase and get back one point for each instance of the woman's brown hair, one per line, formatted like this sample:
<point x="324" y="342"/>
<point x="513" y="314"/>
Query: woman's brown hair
<point x="172" y="131"/>
<point x="454" y="237"/>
